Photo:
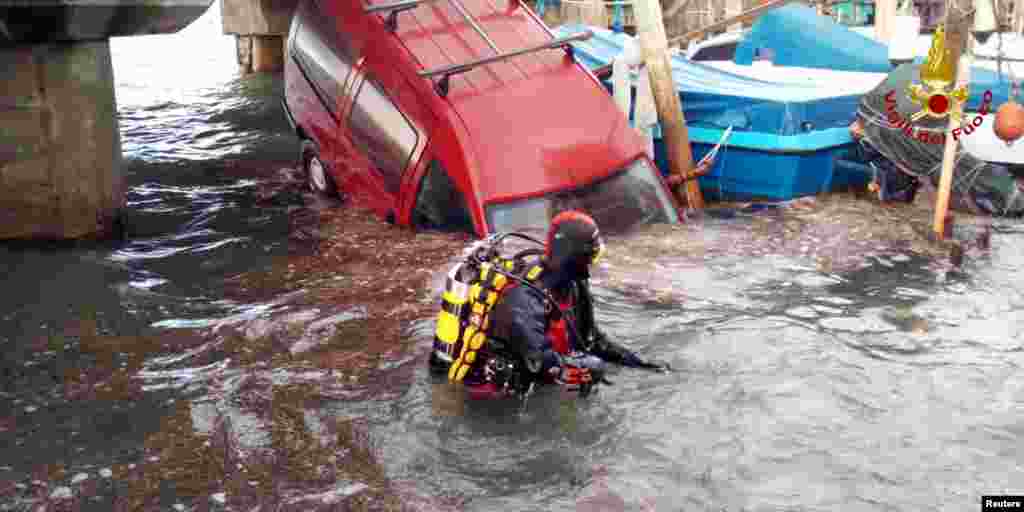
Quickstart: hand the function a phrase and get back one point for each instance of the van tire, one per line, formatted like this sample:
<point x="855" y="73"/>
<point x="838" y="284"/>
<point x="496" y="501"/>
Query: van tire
<point x="318" y="178"/>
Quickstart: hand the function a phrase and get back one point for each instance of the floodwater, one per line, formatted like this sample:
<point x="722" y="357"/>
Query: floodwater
<point x="251" y="347"/>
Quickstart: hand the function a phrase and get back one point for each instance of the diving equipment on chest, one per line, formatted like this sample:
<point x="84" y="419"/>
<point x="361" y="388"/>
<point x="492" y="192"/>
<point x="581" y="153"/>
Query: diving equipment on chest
<point x="471" y="289"/>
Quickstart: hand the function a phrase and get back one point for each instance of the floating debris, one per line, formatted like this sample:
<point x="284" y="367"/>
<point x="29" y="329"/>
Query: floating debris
<point x="61" y="493"/>
<point x="858" y="324"/>
<point x="81" y="477"/>
<point x="802" y="312"/>
<point x="335" y="495"/>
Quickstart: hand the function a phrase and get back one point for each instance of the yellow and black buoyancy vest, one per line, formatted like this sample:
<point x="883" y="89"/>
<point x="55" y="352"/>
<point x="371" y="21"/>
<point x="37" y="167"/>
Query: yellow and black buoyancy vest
<point x="465" y="309"/>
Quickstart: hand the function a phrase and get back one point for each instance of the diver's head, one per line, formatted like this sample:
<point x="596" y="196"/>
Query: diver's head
<point x="574" y="243"/>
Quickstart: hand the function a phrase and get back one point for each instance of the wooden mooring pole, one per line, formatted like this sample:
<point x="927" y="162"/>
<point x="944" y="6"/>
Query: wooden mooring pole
<point x="650" y="30"/>
<point x="957" y="35"/>
<point x="885" y="19"/>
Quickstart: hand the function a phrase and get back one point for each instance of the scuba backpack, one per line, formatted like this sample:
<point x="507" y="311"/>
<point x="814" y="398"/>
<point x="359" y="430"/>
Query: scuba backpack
<point x="461" y="346"/>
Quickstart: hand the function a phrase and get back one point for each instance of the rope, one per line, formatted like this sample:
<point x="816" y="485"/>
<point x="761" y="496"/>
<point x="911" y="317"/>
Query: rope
<point x="723" y="167"/>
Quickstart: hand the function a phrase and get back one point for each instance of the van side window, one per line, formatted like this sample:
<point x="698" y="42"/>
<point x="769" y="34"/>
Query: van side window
<point x="323" y="52"/>
<point x="439" y="204"/>
<point x="382" y="132"/>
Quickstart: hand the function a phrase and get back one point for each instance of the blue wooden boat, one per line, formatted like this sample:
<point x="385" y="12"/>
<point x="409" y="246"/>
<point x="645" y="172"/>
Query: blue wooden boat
<point x="789" y="139"/>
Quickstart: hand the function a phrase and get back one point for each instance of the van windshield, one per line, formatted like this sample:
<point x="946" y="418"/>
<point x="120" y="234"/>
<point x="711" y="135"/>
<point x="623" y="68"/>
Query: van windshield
<point x="629" y="198"/>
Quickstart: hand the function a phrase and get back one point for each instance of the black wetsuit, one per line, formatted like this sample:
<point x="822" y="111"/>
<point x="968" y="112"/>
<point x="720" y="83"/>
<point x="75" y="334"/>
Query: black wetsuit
<point x="521" y="318"/>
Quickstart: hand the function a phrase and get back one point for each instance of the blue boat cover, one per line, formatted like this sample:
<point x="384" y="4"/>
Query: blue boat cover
<point x="764" y="115"/>
<point x="797" y="35"/>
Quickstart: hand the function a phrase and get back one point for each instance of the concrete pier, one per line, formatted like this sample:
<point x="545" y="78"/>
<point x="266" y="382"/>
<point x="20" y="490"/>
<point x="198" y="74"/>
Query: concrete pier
<point x="260" y="27"/>
<point x="60" y="149"/>
<point x="59" y="142"/>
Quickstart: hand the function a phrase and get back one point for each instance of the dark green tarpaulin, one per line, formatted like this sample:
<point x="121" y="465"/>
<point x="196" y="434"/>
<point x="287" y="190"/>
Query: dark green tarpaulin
<point x="916" y="148"/>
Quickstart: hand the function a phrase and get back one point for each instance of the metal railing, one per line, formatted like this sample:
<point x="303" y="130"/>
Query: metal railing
<point x="442" y="85"/>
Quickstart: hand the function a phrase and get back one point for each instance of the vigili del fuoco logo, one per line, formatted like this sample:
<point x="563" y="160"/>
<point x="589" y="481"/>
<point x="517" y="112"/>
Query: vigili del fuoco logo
<point x="936" y="96"/>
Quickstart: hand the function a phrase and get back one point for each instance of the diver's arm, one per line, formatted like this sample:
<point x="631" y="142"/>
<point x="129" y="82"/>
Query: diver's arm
<point x="613" y="352"/>
<point x="601" y="346"/>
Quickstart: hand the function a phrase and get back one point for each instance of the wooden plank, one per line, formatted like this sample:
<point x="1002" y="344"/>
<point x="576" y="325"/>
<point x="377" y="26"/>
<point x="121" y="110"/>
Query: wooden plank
<point x="885" y="19"/>
<point x="956" y="34"/>
<point x="654" y="50"/>
<point x="743" y="17"/>
<point x="676" y="7"/>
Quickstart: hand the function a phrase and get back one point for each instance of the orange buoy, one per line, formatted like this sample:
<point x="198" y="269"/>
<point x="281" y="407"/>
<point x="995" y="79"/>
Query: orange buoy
<point x="1009" y="122"/>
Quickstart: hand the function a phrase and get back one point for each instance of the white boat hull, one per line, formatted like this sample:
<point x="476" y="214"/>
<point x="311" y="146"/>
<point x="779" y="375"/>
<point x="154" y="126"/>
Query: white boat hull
<point x="984" y="144"/>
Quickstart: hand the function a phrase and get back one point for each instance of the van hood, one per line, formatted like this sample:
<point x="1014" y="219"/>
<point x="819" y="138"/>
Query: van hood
<point x="553" y="129"/>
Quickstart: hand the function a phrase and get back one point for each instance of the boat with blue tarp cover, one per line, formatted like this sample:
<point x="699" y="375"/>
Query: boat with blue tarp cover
<point x="789" y="139"/>
<point x="797" y="36"/>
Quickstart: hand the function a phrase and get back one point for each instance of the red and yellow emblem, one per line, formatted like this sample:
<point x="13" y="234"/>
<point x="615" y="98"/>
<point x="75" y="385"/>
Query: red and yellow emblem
<point x="936" y="95"/>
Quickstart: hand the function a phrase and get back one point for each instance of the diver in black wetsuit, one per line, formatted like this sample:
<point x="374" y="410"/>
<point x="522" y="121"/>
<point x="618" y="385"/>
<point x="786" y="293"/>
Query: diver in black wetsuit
<point x="563" y="344"/>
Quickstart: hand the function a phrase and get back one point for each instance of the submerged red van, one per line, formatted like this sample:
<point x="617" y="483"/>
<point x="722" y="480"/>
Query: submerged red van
<point x="461" y="115"/>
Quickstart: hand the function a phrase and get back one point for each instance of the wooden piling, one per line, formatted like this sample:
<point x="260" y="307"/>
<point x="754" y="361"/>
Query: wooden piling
<point x="956" y="34"/>
<point x="885" y="19"/>
<point x="650" y="28"/>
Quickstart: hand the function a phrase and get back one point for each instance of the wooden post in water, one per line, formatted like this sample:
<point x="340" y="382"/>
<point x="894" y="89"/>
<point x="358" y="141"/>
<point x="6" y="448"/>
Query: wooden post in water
<point x="885" y="18"/>
<point x="955" y="36"/>
<point x="650" y="30"/>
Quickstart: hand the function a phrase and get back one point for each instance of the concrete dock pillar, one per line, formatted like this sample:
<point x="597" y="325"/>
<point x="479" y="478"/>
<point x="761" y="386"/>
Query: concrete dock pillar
<point x="260" y="28"/>
<point x="59" y="142"/>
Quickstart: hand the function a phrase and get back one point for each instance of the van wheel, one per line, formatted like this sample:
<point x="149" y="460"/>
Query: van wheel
<point x="317" y="176"/>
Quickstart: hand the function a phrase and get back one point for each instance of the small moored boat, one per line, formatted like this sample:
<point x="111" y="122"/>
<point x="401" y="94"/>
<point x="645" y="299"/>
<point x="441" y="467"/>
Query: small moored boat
<point x="790" y="137"/>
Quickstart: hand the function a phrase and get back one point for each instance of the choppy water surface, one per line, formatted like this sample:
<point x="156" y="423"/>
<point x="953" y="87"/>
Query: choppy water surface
<point x="827" y="356"/>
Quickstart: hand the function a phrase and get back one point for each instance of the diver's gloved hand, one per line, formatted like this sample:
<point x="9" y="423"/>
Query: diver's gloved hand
<point x="574" y="376"/>
<point x="595" y="367"/>
<point x="633" y="360"/>
<point x="658" y="366"/>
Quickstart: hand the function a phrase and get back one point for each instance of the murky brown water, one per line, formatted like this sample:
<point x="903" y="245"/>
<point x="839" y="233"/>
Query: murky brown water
<point x="251" y="347"/>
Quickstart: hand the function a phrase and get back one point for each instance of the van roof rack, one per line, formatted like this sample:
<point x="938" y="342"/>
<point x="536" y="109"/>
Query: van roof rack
<point x="441" y="86"/>
<point x="393" y="8"/>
